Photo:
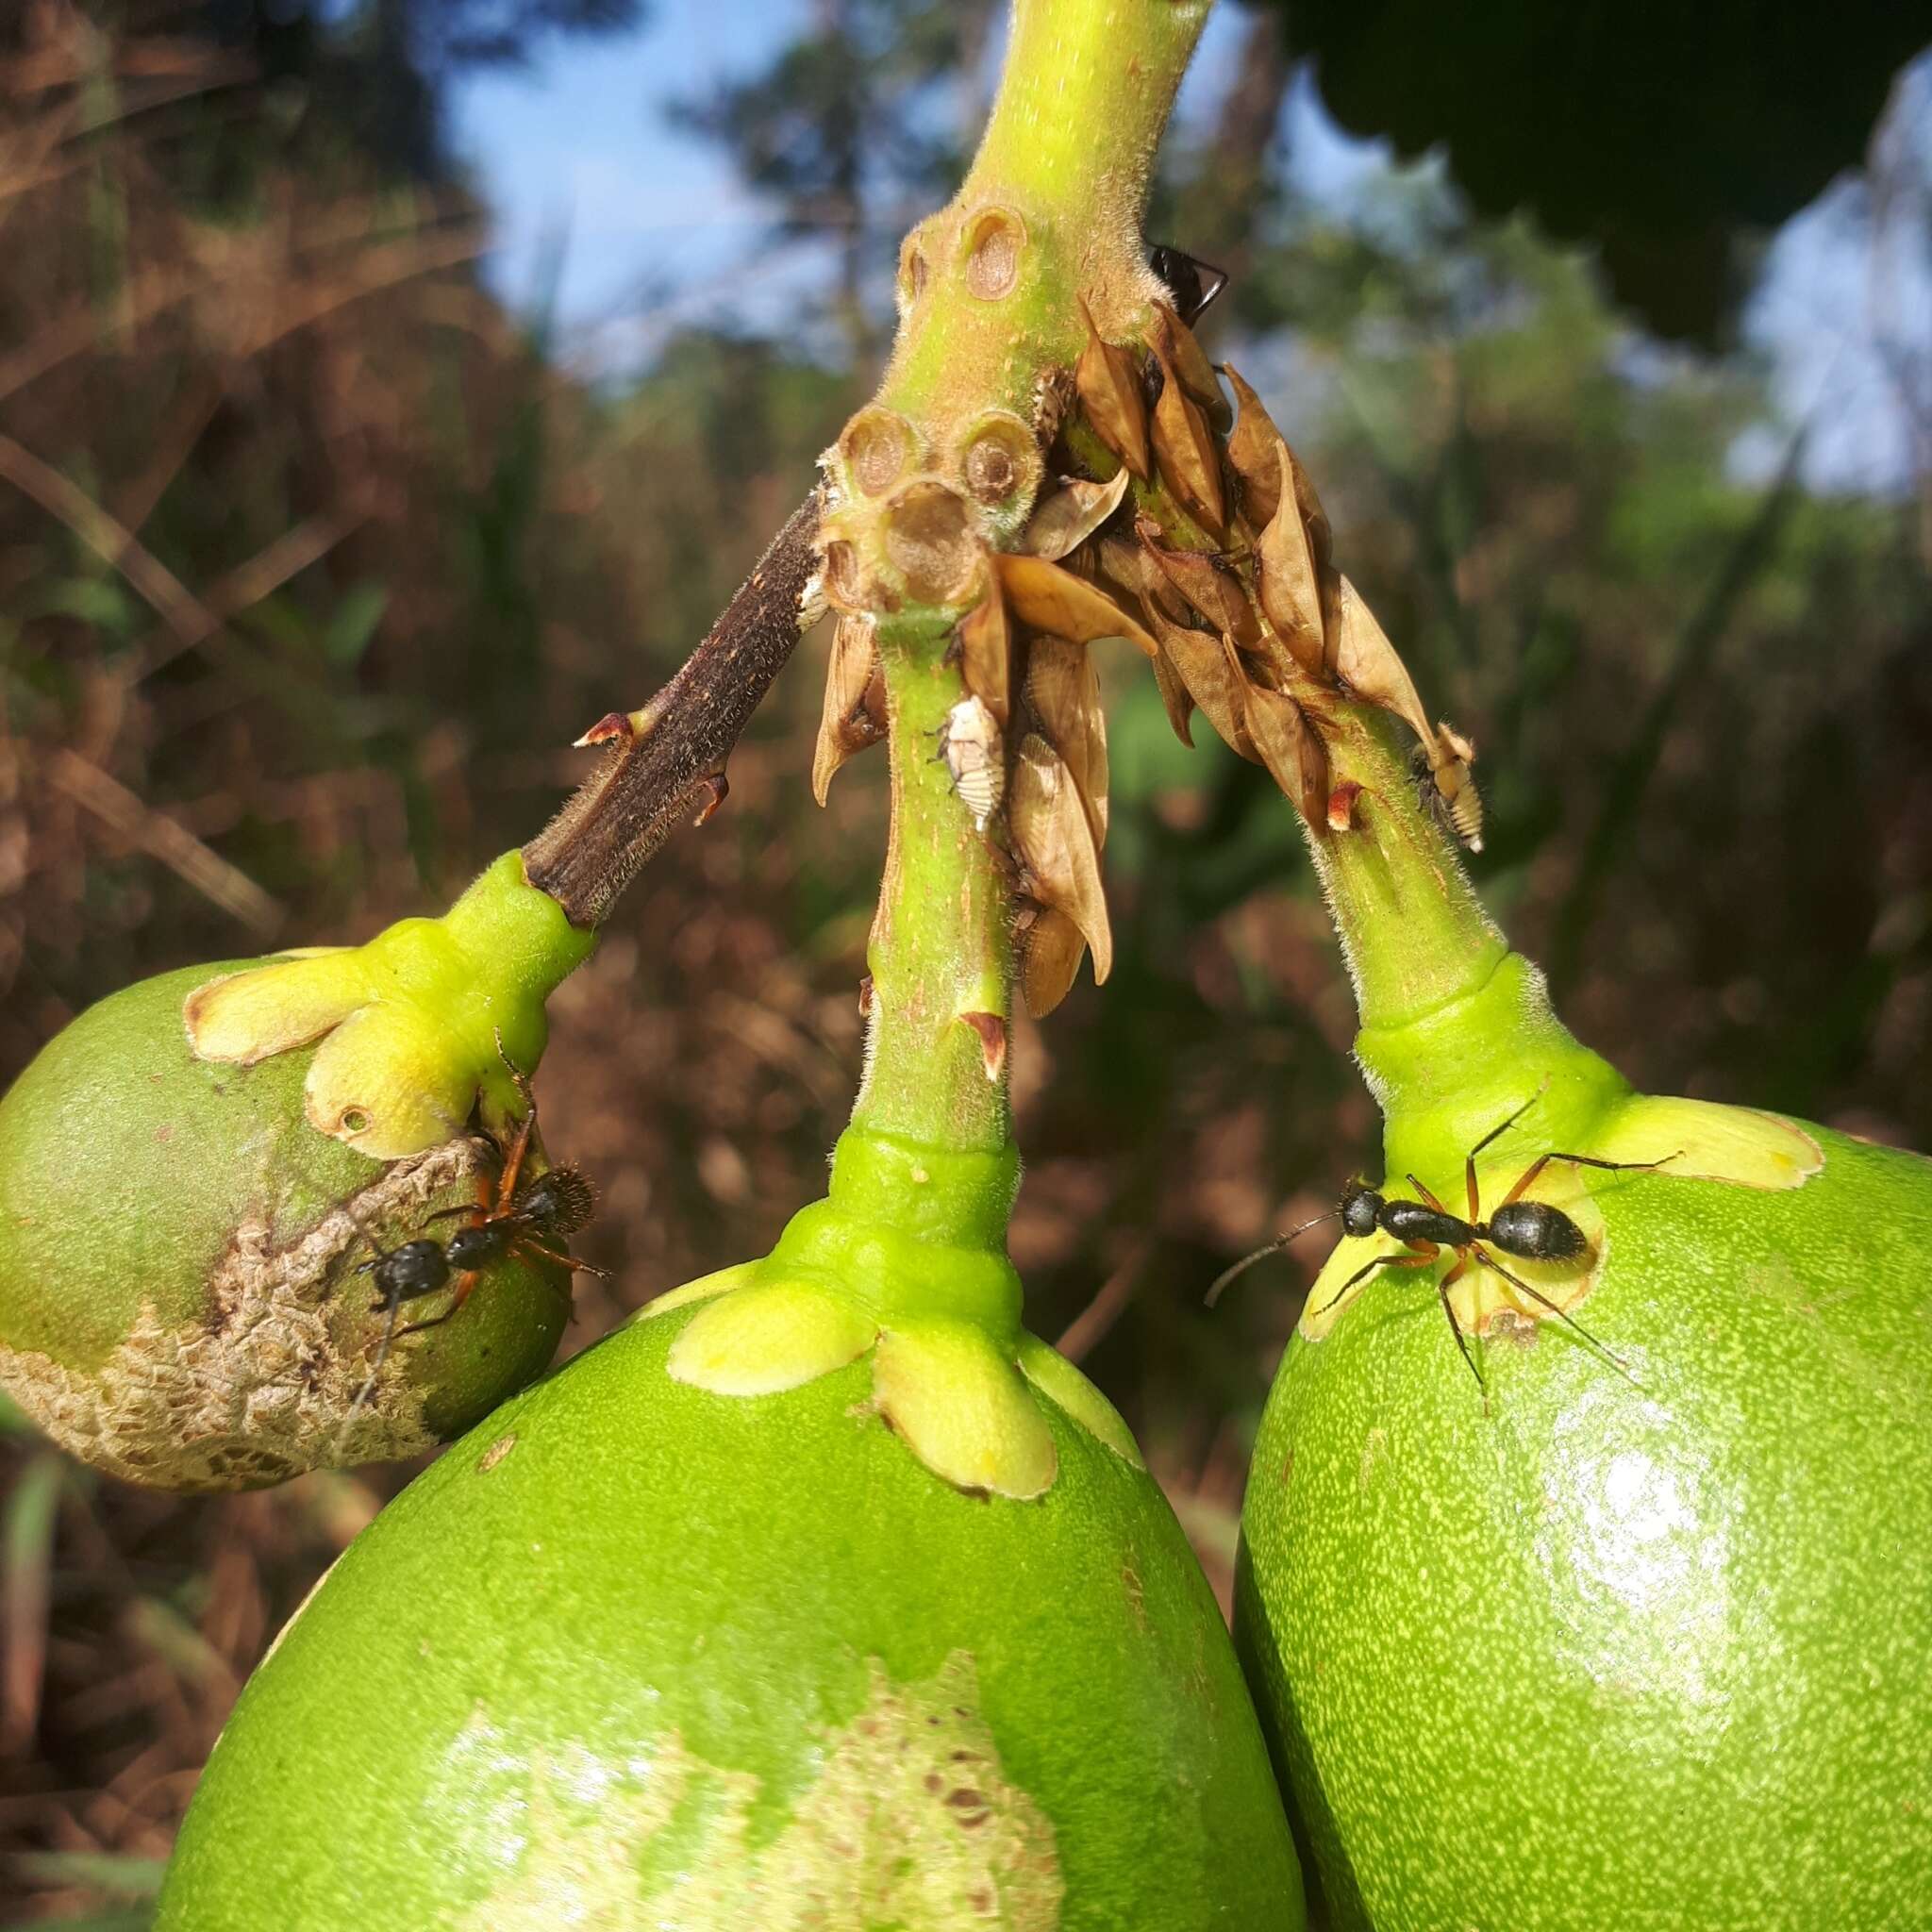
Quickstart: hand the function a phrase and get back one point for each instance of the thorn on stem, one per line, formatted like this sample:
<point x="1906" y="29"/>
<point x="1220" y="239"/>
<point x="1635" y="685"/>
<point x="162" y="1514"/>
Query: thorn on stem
<point x="992" y="1031"/>
<point x="1342" y="803"/>
<point x="612" y="724"/>
<point x="714" y="788"/>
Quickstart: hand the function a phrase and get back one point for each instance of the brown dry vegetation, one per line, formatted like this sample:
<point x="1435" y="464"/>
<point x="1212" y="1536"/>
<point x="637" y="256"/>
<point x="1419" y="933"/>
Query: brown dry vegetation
<point x="312" y="562"/>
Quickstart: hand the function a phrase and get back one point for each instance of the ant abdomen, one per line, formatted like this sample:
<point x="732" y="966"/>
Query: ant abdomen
<point x="1535" y="1231"/>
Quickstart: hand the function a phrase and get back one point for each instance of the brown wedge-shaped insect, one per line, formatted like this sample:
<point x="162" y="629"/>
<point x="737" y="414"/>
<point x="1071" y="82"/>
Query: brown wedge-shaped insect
<point x="1107" y="381"/>
<point x="1208" y="666"/>
<point x="1291" y="581"/>
<point x="1251" y="451"/>
<point x="1174" y="697"/>
<point x="855" y="708"/>
<point x="1124" y="563"/>
<point x="1055" y="843"/>
<point x="1291" y="749"/>
<point x="1192" y="365"/>
<point x="1045" y="596"/>
<point x="1068" y="515"/>
<point x="1051" y="949"/>
<point x="1063" y="695"/>
<point x="1185" y="452"/>
<point x="1207" y="587"/>
<point x="986" y="651"/>
<point x="1367" y="662"/>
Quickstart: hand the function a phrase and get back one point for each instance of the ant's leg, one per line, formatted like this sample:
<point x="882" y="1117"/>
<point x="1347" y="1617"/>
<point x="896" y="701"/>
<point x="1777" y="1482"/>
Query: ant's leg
<point x="1419" y="1259"/>
<point x="1542" y="1160"/>
<point x="1443" y="1288"/>
<point x="393" y="1301"/>
<point x="1537" y="1295"/>
<point x="465" y="1283"/>
<point x="512" y="1165"/>
<point x="525" y="1244"/>
<point x="1498" y="1132"/>
<point x="519" y="1146"/>
<point x="485" y="1199"/>
<point x="1427" y="1198"/>
<point x="1495" y="1133"/>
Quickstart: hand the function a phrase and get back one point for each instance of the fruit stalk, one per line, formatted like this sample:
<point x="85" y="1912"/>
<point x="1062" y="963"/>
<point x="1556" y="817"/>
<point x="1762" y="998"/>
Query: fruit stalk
<point x="940" y="954"/>
<point x="1456" y="1029"/>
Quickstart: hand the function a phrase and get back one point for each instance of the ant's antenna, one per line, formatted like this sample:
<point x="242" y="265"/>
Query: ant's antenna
<point x="1261" y="1254"/>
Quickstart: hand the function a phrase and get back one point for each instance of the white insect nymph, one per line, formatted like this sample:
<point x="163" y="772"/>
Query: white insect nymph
<point x="975" y="757"/>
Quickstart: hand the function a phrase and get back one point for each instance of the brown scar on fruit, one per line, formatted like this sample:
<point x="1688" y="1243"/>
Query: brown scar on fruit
<point x="495" y="1452"/>
<point x="911" y="1820"/>
<point x="263" y="1385"/>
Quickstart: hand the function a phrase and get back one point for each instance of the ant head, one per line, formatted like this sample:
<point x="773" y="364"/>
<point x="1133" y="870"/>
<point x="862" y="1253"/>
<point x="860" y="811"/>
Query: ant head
<point x="1361" y="1203"/>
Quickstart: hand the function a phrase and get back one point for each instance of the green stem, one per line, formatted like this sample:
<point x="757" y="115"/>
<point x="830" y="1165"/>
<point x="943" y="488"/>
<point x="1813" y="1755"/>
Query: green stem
<point x="935" y="1079"/>
<point x="1085" y="93"/>
<point x="1456" y="1031"/>
<point x="1412" y="930"/>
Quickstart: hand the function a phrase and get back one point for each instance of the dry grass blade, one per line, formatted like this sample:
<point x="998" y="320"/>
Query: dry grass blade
<point x="1071" y="514"/>
<point x="1291" y="749"/>
<point x="1107" y="380"/>
<point x="1251" y="451"/>
<point x="1187" y="452"/>
<point x="161" y="838"/>
<point x="1045" y="596"/>
<point x="854" y="715"/>
<point x="1290" y="584"/>
<point x="109" y="540"/>
<point x="1064" y="693"/>
<point x="1208" y="666"/>
<point x="986" y="651"/>
<point x="26" y="1565"/>
<point x="247" y="584"/>
<point x="1055" y="844"/>
<point x="1050" y="952"/>
<point x="1191" y="363"/>
<point x="1367" y="662"/>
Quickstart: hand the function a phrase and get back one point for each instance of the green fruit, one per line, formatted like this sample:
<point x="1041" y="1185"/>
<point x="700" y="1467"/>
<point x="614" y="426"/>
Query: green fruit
<point x="179" y="1304"/>
<point x="638" y="1654"/>
<point x="1639" y="1641"/>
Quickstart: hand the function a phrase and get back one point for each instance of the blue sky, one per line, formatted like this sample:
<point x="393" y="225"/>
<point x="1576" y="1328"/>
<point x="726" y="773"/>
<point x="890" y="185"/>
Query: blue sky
<point x="654" y="231"/>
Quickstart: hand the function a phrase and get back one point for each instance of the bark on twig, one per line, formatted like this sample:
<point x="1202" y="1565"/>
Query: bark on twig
<point x="667" y="760"/>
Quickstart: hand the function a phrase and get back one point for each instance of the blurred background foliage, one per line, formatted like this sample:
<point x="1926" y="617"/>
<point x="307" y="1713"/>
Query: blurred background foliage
<point x="315" y="554"/>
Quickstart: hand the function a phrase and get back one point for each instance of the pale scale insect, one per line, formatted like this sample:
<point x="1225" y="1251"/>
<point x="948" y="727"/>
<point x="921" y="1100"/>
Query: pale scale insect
<point x="976" y="758"/>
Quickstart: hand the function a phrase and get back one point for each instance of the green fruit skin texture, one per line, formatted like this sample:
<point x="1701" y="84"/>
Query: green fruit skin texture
<point x="1611" y="1657"/>
<point x="126" y="1167"/>
<point x="618" y="1571"/>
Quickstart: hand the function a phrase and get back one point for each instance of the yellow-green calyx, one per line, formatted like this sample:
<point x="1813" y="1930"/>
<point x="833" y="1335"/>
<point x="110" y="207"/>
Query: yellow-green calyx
<point x="955" y="1375"/>
<point x="417" y="1027"/>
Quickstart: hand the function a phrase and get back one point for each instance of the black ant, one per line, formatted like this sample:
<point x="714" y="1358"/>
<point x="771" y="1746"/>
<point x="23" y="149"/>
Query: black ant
<point x="515" y="1217"/>
<point x="1527" y="1230"/>
<point x="1193" y="283"/>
